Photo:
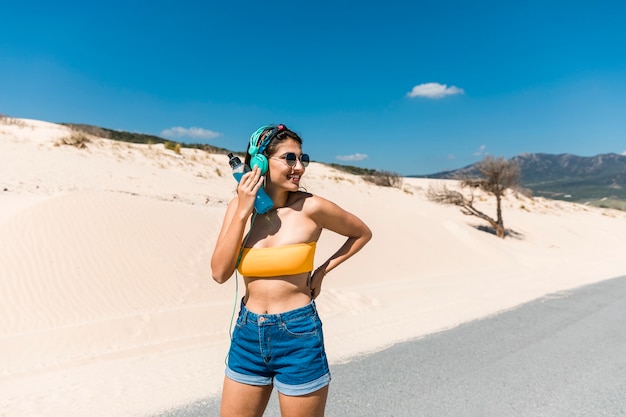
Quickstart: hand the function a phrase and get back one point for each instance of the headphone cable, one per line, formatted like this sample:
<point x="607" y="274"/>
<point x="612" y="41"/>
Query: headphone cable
<point x="232" y="317"/>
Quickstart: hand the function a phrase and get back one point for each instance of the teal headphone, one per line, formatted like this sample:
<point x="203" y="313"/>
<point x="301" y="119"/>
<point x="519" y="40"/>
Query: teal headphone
<point x="258" y="145"/>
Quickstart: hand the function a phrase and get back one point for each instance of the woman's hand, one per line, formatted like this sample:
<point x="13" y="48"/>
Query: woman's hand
<point x="316" y="282"/>
<point x="246" y="190"/>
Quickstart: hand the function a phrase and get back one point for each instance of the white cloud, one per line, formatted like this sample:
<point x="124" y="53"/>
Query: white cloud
<point x="434" y="90"/>
<point x="624" y="153"/>
<point x="189" y="132"/>
<point x="352" y="158"/>
<point x="480" y="151"/>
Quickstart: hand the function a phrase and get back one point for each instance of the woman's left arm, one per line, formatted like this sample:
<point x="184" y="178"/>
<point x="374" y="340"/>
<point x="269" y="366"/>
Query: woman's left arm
<point x="330" y="216"/>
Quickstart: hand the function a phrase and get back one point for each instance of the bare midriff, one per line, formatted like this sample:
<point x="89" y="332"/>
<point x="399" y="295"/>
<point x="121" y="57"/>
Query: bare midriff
<point x="277" y="294"/>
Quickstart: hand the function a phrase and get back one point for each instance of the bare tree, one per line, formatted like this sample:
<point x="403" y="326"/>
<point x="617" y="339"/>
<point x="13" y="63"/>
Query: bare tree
<point x="495" y="176"/>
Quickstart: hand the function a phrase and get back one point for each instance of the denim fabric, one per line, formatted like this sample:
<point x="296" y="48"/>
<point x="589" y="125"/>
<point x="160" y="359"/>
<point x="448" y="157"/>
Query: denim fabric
<point x="285" y="349"/>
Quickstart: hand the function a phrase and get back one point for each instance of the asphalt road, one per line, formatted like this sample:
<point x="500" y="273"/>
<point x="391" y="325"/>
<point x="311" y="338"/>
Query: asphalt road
<point x="563" y="355"/>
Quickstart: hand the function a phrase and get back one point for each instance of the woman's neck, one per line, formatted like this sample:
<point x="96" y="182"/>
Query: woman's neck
<point x="280" y="198"/>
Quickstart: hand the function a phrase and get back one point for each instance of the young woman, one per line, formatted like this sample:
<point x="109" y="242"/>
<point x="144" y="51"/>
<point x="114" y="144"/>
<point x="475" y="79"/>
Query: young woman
<point x="278" y="339"/>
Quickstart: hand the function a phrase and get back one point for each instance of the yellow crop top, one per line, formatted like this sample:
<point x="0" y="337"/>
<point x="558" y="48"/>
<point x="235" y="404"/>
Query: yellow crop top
<point x="273" y="262"/>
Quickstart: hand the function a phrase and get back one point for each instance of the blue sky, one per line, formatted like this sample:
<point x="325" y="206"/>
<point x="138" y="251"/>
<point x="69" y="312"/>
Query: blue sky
<point x="405" y="86"/>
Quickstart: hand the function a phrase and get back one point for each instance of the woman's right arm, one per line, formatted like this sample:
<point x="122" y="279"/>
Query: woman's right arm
<point x="228" y="244"/>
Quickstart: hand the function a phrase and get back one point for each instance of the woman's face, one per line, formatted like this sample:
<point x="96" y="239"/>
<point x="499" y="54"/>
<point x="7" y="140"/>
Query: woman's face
<point x="280" y="173"/>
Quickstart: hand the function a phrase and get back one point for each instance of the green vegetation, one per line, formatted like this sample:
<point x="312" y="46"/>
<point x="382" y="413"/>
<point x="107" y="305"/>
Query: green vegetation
<point x="130" y="137"/>
<point x="353" y="170"/>
<point x="577" y="190"/>
<point x="608" y="203"/>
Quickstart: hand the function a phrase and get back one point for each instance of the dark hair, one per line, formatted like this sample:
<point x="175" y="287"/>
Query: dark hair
<point x="281" y="136"/>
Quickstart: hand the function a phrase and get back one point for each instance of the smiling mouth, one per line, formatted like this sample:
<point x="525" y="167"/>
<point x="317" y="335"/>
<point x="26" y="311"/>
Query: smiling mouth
<point x="295" y="178"/>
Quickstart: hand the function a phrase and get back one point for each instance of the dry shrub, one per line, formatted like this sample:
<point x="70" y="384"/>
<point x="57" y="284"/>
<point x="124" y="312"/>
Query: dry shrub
<point x="172" y="146"/>
<point x="7" y="120"/>
<point x="384" y="179"/>
<point x="77" y="139"/>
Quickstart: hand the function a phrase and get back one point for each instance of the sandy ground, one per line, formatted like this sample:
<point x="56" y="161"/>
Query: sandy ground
<point x="108" y="307"/>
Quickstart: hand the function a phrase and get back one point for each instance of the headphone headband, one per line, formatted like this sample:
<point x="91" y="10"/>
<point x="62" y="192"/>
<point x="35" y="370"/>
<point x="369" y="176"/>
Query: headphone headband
<point x="258" y="144"/>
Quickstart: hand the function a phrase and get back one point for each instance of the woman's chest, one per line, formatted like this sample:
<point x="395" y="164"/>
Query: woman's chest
<point x="283" y="226"/>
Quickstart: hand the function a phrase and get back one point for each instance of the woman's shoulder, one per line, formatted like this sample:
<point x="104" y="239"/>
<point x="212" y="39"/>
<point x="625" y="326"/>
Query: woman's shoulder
<point x="300" y="195"/>
<point x="304" y="197"/>
<point x="308" y="202"/>
<point x="302" y="201"/>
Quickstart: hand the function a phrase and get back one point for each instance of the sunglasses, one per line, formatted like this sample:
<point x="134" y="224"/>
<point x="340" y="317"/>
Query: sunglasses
<point x="291" y="158"/>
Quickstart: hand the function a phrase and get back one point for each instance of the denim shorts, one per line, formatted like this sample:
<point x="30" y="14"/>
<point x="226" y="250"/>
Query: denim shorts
<point x="285" y="349"/>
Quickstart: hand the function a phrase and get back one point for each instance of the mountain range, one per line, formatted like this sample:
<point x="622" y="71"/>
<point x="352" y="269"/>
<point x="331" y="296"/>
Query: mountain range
<point x="598" y="180"/>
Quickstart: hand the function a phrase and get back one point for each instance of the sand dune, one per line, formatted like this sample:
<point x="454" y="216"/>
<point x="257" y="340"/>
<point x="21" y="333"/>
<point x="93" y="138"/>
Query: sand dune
<point x="108" y="306"/>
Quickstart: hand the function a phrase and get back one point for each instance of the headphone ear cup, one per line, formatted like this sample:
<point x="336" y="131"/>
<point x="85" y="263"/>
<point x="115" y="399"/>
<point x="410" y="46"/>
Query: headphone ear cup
<point x="259" y="161"/>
